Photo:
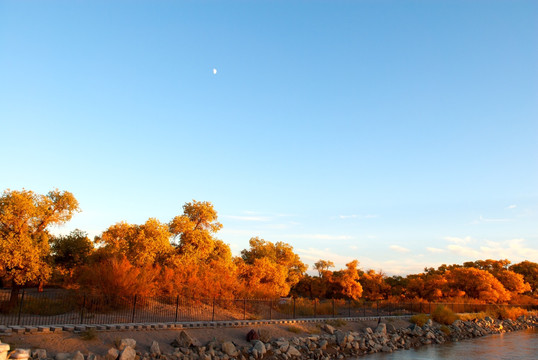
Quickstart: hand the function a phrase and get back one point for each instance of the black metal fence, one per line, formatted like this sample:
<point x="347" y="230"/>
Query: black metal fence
<point x="70" y="307"/>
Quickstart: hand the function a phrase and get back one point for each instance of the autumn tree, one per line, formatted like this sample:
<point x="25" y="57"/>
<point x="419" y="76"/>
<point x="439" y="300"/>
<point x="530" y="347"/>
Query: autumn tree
<point x="529" y="271"/>
<point x="477" y="284"/>
<point x="195" y="229"/>
<point x="374" y="286"/>
<point x="71" y="251"/>
<point x="344" y="283"/>
<point x="513" y="282"/>
<point x="279" y="253"/>
<point x="323" y="265"/>
<point x="25" y="218"/>
<point x="145" y="244"/>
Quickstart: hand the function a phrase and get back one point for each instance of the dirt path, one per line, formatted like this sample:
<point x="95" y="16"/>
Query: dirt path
<point x="67" y="342"/>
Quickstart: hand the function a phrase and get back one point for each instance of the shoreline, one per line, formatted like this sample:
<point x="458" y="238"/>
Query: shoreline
<point x="321" y="340"/>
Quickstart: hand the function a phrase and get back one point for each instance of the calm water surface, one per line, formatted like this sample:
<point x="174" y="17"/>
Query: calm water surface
<point x="518" y="345"/>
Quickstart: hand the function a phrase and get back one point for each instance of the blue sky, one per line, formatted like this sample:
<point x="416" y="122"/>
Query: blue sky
<point x="403" y="134"/>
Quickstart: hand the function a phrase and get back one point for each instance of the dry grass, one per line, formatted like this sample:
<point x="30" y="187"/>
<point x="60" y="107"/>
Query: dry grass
<point x="419" y="319"/>
<point x="472" y="316"/>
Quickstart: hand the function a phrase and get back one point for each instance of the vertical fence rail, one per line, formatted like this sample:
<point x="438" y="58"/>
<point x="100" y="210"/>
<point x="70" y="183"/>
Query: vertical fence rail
<point x="55" y="307"/>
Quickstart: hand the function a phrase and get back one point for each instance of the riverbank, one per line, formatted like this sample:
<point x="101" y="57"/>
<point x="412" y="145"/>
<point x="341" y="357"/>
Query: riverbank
<point x="332" y="339"/>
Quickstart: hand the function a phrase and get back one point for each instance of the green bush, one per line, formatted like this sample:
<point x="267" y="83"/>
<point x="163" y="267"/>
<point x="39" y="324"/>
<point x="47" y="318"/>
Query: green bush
<point x="443" y="315"/>
<point x="419" y="319"/>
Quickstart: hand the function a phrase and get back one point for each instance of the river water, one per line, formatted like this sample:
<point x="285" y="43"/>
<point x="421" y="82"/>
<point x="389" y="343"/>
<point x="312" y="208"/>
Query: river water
<point x="517" y="345"/>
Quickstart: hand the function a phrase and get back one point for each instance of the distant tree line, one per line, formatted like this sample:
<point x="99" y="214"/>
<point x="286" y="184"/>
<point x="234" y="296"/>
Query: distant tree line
<point x="184" y="257"/>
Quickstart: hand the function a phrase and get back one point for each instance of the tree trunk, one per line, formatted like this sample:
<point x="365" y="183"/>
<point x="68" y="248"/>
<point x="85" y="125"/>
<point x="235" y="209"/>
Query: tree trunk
<point x="14" y="297"/>
<point x="40" y="286"/>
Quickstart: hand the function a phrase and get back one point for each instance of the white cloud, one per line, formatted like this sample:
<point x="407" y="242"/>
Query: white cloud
<point x="515" y="250"/>
<point x="458" y="240"/>
<point x="312" y="255"/>
<point x="400" y="249"/>
<point x="482" y="219"/>
<point x="435" y="250"/>
<point x="511" y="206"/>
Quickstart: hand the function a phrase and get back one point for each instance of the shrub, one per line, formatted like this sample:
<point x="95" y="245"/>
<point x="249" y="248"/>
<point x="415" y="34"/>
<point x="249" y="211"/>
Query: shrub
<point x="419" y="319"/>
<point x="445" y="329"/>
<point x="506" y="312"/>
<point x="444" y="315"/>
<point x="472" y="316"/>
<point x="294" y="329"/>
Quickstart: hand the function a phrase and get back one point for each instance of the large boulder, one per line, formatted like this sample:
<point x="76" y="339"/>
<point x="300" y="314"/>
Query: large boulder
<point x="155" y="348"/>
<point x="252" y="335"/>
<point x="341" y="338"/>
<point x="78" y="356"/>
<point x="259" y="348"/>
<point x="293" y="352"/>
<point x="128" y="354"/>
<point x="229" y="349"/>
<point x="112" y="354"/>
<point x="381" y="328"/>
<point x="126" y="342"/>
<point x="39" y="354"/>
<point x="329" y="329"/>
<point x="184" y="340"/>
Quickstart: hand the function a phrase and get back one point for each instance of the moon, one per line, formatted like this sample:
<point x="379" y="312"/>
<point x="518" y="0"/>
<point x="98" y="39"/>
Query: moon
<point x="214" y="71"/>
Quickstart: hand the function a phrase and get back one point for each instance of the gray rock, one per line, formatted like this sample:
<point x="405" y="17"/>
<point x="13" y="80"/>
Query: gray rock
<point x="78" y="356"/>
<point x="40" y="354"/>
<point x="112" y="354"/>
<point x="126" y="342"/>
<point x="259" y="347"/>
<point x="329" y="329"/>
<point x="229" y="348"/>
<point x="368" y="331"/>
<point x="128" y="354"/>
<point x="65" y="356"/>
<point x="381" y="328"/>
<point x="292" y="351"/>
<point x="20" y="354"/>
<point x="323" y="344"/>
<point x="184" y="340"/>
<point x="391" y="328"/>
<point x="154" y="348"/>
<point x="92" y="356"/>
<point x="429" y="322"/>
<point x="341" y="338"/>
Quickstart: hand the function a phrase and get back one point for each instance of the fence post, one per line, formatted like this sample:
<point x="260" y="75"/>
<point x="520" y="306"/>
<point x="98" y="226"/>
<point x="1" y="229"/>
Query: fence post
<point x="134" y="309"/>
<point x="271" y="309"/>
<point x="315" y="308"/>
<point x="334" y="314"/>
<point x="244" y="309"/>
<point x="294" y="308"/>
<point x="213" y="315"/>
<point x="430" y="308"/>
<point x="349" y="307"/>
<point x="177" y="307"/>
<point x="377" y="307"/>
<point x="20" y="308"/>
<point x="82" y="309"/>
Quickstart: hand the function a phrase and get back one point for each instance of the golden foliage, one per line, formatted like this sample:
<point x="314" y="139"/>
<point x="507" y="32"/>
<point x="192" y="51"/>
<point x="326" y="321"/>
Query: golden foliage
<point x="24" y="237"/>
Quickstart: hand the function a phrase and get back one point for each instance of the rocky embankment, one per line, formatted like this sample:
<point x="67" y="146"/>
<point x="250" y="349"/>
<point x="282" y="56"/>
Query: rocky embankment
<point x="330" y="344"/>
